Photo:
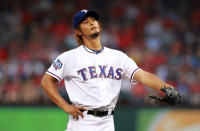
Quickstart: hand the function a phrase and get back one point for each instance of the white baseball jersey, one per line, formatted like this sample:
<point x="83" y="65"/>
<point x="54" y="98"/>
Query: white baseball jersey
<point x="93" y="79"/>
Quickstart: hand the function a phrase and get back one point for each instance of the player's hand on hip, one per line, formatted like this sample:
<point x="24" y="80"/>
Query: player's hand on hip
<point x="75" y="111"/>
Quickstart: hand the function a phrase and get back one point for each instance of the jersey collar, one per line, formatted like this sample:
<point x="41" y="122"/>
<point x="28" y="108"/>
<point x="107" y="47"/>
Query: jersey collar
<point x="93" y="51"/>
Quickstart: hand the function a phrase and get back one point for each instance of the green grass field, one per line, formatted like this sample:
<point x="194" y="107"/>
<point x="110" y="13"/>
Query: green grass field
<point x="32" y="119"/>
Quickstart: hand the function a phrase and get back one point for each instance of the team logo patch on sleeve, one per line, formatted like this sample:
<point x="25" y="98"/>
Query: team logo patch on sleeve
<point x="57" y="64"/>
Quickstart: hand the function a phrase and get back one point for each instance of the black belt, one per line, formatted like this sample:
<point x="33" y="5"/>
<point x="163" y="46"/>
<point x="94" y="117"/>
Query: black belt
<point x="98" y="113"/>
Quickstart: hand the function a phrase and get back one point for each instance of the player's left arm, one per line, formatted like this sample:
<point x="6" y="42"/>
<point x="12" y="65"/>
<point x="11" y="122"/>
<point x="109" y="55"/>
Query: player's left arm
<point x="150" y="80"/>
<point x="172" y="96"/>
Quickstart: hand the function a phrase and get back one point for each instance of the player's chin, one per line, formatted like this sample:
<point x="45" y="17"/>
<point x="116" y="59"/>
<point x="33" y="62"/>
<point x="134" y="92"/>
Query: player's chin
<point x="94" y="35"/>
<point x="95" y="32"/>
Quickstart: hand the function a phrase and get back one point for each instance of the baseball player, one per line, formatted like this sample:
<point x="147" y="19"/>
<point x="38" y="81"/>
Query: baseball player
<point x="93" y="75"/>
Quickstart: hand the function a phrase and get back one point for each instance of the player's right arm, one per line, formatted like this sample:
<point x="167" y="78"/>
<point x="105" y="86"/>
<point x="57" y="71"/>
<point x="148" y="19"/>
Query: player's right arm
<point x="48" y="83"/>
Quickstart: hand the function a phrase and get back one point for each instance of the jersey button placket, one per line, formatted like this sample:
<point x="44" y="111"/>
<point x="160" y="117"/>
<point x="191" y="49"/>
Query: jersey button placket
<point x="100" y="80"/>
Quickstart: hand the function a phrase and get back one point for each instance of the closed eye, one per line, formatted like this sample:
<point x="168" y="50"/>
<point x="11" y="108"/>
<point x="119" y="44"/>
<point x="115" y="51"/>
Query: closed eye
<point x="85" y="22"/>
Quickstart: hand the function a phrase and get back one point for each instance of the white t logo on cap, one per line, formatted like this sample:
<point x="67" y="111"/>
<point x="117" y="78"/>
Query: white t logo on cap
<point x="84" y="11"/>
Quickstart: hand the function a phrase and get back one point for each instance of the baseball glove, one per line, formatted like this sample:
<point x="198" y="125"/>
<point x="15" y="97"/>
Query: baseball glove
<point x="172" y="96"/>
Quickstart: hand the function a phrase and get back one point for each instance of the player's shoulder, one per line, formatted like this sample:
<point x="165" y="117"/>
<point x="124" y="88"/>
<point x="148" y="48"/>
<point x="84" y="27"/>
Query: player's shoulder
<point x="114" y="51"/>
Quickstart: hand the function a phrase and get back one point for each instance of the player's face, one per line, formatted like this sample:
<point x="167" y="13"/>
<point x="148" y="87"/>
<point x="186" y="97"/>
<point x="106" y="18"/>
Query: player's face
<point x="89" y="26"/>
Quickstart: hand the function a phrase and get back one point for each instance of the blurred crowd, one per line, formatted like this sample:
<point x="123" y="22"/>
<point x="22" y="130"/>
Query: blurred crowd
<point x="162" y="36"/>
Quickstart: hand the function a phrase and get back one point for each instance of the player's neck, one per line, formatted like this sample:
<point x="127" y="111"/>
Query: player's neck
<point x="93" y="43"/>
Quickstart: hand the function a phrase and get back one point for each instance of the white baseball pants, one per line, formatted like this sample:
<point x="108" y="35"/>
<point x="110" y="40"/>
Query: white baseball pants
<point x="91" y="123"/>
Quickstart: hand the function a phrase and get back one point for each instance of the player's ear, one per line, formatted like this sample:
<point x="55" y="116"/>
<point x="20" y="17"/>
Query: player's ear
<point x="78" y="30"/>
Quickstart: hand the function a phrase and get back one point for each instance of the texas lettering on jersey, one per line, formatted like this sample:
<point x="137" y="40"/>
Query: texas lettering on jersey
<point x="111" y="73"/>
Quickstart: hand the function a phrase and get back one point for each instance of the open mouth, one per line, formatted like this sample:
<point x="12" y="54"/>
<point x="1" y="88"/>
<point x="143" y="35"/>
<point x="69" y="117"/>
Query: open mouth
<point x="93" y="28"/>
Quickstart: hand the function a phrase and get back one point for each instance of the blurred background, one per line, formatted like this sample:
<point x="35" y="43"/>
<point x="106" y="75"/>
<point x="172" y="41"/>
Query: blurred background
<point x="162" y="36"/>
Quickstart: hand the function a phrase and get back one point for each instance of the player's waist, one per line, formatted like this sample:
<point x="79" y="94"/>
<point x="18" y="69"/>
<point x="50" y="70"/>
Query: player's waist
<point x="99" y="113"/>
